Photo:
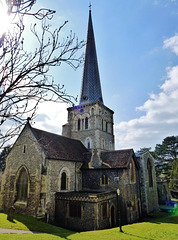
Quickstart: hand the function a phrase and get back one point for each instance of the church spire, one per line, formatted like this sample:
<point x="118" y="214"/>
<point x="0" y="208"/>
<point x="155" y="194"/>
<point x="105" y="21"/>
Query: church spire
<point x="91" y="87"/>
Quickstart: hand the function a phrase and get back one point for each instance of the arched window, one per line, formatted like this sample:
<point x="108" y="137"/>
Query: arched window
<point x="102" y="123"/>
<point x="132" y="171"/>
<point x="150" y="177"/>
<point x="22" y="185"/>
<point x="106" y="127"/>
<point x="82" y="127"/>
<point x="88" y="144"/>
<point x="102" y="143"/>
<point x="92" y="111"/>
<point x="63" y="181"/>
<point x="86" y="123"/>
<point x="79" y="124"/>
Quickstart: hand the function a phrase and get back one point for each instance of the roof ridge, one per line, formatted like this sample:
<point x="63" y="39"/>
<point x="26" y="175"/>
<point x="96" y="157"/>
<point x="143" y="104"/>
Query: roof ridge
<point x="119" y="150"/>
<point x="54" y="134"/>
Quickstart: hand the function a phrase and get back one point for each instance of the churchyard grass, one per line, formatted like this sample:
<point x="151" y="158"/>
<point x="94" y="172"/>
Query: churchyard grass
<point x="162" y="226"/>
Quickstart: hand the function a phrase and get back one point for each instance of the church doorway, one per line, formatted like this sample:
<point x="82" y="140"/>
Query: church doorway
<point x="112" y="216"/>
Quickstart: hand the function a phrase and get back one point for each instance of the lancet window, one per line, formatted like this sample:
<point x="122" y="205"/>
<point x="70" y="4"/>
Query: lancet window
<point x="22" y="185"/>
<point x="150" y="177"/>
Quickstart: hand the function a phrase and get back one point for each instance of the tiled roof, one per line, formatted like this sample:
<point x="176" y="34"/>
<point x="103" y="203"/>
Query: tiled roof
<point x="59" y="147"/>
<point x="114" y="159"/>
<point x="91" y="87"/>
<point x="63" y="148"/>
<point x="117" y="159"/>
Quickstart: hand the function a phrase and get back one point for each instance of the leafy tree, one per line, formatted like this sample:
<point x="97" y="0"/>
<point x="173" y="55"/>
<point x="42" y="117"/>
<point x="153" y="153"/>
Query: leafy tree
<point x="165" y="154"/>
<point x="174" y="176"/>
<point x="24" y="75"/>
<point x="3" y="156"/>
<point x="144" y="150"/>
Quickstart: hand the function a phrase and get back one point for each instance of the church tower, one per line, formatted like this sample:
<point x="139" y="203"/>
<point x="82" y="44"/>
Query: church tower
<point x="91" y="121"/>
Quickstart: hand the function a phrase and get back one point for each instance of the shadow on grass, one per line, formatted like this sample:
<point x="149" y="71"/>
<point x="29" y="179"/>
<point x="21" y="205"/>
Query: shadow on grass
<point x="132" y="235"/>
<point x="163" y="217"/>
<point x="37" y="226"/>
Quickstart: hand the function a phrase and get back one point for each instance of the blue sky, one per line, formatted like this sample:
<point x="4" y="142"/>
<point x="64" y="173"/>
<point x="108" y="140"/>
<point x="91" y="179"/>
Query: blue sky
<point x="137" y="49"/>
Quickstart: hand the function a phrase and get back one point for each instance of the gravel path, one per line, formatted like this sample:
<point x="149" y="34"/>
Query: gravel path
<point x="7" y="230"/>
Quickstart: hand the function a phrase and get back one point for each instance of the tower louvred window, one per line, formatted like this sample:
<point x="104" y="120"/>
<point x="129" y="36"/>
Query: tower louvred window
<point x="79" y="124"/>
<point x="86" y="123"/>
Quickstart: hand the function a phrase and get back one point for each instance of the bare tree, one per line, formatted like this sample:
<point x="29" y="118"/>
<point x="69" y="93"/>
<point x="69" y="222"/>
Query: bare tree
<point x="24" y="75"/>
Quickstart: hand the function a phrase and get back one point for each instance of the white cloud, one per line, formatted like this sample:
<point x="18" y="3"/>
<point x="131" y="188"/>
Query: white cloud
<point x="161" y="113"/>
<point x="172" y="82"/>
<point x="51" y="116"/>
<point x="160" y="119"/>
<point x="172" y="43"/>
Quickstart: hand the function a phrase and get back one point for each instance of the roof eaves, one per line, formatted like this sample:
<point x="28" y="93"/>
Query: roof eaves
<point x="64" y="159"/>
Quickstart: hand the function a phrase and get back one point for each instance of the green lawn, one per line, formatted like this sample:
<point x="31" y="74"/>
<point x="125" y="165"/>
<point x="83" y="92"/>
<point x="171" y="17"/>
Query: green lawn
<point x="161" y="226"/>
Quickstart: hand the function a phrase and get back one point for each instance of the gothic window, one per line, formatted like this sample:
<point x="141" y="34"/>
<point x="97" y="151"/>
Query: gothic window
<point x="102" y="123"/>
<point x="132" y="171"/>
<point x="82" y="124"/>
<point x="86" y="123"/>
<point x="63" y="181"/>
<point x="106" y="127"/>
<point x="103" y="179"/>
<point x="22" y="186"/>
<point x="75" y="209"/>
<point x="150" y="177"/>
<point x="88" y="144"/>
<point x="79" y="124"/>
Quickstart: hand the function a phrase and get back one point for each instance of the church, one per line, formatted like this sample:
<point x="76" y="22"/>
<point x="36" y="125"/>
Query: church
<point x="78" y="180"/>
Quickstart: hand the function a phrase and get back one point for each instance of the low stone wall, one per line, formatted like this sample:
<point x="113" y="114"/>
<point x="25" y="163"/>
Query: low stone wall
<point x="92" y="210"/>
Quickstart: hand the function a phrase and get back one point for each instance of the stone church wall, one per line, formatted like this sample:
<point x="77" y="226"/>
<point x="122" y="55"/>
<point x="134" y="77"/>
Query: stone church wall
<point x="117" y="179"/>
<point x="149" y="194"/>
<point x="164" y="196"/>
<point x="53" y="185"/>
<point x="92" y="179"/>
<point x="100" y="135"/>
<point x="94" y="210"/>
<point x="25" y="153"/>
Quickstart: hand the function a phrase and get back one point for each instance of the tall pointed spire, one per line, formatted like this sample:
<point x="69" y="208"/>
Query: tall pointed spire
<point x="91" y="87"/>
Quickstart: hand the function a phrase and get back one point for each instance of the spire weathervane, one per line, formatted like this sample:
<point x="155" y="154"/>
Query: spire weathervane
<point x="91" y="87"/>
<point x="90" y="6"/>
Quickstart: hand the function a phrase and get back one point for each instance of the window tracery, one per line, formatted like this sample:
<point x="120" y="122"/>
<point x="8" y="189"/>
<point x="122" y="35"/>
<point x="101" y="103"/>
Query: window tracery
<point x="22" y="186"/>
<point x="150" y="177"/>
